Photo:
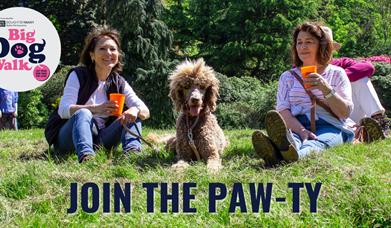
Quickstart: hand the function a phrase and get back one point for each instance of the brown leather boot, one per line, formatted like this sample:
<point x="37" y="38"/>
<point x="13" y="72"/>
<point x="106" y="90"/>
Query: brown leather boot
<point x="384" y="122"/>
<point x="281" y="136"/>
<point x="264" y="147"/>
<point x="372" y="130"/>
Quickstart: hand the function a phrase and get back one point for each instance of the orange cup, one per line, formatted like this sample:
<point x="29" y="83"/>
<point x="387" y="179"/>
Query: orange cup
<point x="119" y="99"/>
<point x="305" y="71"/>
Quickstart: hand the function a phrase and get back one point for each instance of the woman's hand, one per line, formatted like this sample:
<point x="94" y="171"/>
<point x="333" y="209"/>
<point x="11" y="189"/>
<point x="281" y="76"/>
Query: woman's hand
<point x="306" y="134"/>
<point x="317" y="82"/>
<point x="105" y="108"/>
<point x="130" y="115"/>
<point x="337" y="104"/>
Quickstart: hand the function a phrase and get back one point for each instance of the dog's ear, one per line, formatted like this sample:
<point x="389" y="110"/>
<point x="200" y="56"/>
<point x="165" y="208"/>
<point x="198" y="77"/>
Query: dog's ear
<point x="177" y="98"/>
<point x="180" y="102"/>
<point x="211" y="94"/>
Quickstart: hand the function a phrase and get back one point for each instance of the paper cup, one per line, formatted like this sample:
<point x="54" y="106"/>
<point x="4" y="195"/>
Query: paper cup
<point x="119" y="99"/>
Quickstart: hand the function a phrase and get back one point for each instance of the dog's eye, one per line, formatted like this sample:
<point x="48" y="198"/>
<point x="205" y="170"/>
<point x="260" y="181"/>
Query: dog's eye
<point x="203" y="87"/>
<point x="185" y="92"/>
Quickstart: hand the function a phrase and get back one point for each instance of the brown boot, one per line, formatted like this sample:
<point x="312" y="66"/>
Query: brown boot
<point x="265" y="149"/>
<point x="384" y="122"/>
<point x="372" y="130"/>
<point x="281" y="136"/>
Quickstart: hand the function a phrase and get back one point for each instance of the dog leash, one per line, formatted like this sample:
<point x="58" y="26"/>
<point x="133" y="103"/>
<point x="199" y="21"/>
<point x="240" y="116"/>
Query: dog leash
<point x="190" y="136"/>
<point x="138" y="136"/>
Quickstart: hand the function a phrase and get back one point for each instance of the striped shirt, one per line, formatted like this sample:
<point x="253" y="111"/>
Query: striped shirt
<point x="291" y="94"/>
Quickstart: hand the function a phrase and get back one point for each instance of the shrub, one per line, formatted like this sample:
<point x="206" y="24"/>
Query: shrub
<point x="152" y="87"/>
<point x="32" y="112"/>
<point x="244" y="101"/>
<point x="382" y="83"/>
<point x="53" y="89"/>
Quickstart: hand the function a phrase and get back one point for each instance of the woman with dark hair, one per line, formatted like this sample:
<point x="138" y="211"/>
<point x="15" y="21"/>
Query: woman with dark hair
<point x="313" y="119"/>
<point x="84" y="118"/>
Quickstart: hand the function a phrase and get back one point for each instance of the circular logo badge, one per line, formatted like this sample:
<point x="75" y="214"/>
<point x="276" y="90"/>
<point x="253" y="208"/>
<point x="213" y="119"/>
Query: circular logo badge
<point x="30" y="49"/>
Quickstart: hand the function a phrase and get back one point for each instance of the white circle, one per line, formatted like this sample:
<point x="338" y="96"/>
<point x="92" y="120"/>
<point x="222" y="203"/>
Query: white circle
<point x="33" y="30"/>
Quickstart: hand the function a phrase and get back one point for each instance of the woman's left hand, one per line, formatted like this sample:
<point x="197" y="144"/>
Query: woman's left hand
<point x="317" y="82"/>
<point x="130" y="115"/>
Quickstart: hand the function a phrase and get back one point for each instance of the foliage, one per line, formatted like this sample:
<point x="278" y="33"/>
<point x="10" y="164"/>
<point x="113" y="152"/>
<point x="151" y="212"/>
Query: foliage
<point x="238" y="38"/>
<point x="146" y="42"/>
<point x="52" y="90"/>
<point x="382" y="83"/>
<point x="32" y="113"/>
<point x="252" y="37"/>
<point x="244" y="102"/>
<point x="72" y="19"/>
<point x="362" y="27"/>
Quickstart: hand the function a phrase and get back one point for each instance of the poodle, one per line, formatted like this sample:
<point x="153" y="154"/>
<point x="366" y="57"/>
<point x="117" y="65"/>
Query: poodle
<point x="194" y="91"/>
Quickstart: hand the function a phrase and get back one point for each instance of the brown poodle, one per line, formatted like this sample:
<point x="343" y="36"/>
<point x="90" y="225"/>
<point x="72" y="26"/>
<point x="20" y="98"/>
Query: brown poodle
<point x="194" y="91"/>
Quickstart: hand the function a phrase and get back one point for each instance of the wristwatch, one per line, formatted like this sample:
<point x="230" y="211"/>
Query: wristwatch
<point x="332" y="93"/>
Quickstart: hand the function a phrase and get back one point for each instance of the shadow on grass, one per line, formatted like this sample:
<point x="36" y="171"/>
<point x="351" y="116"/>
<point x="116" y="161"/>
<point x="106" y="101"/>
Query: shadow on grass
<point x="36" y="150"/>
<point x="43" y="155"/>
<point x="244" y="153"/>
<point x="146" y="159"/>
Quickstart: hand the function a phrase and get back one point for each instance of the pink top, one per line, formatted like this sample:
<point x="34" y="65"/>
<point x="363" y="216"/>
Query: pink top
<point x="291" y="94"/>
<point x="355" y="69"/>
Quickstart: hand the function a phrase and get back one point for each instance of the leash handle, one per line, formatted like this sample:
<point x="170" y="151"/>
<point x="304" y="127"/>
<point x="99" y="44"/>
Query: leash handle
<point x="137" y="136"/>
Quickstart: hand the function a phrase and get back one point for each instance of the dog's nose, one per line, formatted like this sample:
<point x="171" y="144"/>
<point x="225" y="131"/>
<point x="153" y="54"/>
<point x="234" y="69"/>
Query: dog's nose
<point x="194" y="99"/>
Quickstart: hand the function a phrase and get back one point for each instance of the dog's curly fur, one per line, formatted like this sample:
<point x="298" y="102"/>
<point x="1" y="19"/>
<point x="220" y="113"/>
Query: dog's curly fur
<point x="208" y="137"/>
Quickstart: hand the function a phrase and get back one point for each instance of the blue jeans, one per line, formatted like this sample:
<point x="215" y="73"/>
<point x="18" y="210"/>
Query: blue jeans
<point x="328" y="136"/>
<point x="77" y="134"/>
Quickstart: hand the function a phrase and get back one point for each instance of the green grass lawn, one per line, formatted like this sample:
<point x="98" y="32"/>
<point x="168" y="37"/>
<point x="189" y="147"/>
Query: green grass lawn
<point x="35" y="188"/>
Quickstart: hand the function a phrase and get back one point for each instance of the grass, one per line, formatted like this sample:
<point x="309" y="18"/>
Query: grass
<point x="34" y="187"/>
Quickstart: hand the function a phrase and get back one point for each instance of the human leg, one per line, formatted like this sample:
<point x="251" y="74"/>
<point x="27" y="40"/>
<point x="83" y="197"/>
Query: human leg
<point x="7" y="121"/>
<point x="15" y="123"/>
<point x="281" y="136"/>
<point x="76" y="134"/>
<point x="2" y="123"/>
<point x="367" y="104"/>
<point x="265" y="149"/>
<point x="115" y="133"/>
<point x="291" y="146"/>
<point x="327" y="136"/>
<point x="365" y="99"/>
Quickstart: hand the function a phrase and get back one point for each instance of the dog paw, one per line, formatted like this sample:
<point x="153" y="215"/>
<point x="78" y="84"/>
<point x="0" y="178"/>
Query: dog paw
<point x="214" y="166"/>
<point x="180" y="166"/>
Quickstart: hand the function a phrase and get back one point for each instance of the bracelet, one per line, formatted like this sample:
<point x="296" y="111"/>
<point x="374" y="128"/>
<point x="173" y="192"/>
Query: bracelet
<point x="332" y="93"/>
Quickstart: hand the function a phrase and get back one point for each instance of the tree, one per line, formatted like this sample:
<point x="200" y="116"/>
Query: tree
<point x="237" y="38"/>
<point x="72" y="19"/>
<point x="146" y="41"/>
<point x="362" y="27"/>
